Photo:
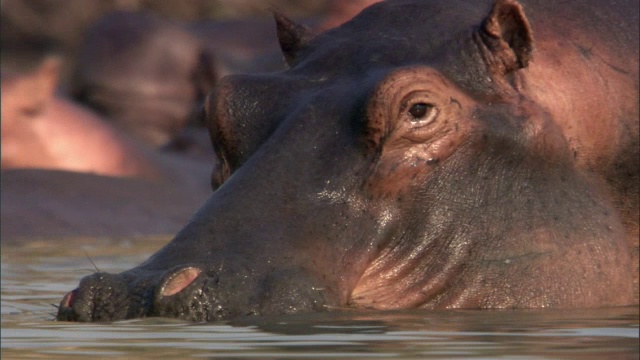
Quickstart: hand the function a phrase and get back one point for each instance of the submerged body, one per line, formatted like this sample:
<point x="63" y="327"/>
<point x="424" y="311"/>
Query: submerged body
<point x="424" y="154"/>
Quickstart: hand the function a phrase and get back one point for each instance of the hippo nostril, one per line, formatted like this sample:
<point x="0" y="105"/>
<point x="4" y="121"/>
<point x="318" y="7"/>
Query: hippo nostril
<point x="69" y="299"/>
<point x="179" y="280"/>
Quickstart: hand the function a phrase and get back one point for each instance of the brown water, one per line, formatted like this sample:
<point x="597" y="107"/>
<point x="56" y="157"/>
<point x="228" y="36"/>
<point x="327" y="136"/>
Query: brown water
<point x="37" y="274"/>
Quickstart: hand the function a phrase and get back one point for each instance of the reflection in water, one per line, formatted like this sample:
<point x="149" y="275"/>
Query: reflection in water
<point x="37" y="274"/>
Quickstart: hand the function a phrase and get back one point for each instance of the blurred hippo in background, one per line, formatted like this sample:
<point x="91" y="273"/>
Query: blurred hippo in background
<point x="61" y="26"/>
<point x="425" y="154"/>
<point x="66" y="171"/>
<point x="250" y="45"/>
<point x="53" y="205"/>
<point x="45" y="131"/>
<point x="340" y="11"/>
<point x="150" y="73"/>
<point x="146" y="73"/>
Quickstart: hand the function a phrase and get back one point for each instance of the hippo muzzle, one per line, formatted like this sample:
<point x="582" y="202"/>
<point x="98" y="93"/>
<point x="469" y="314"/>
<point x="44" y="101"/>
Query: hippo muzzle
<point x="104" y="297"/>
<point x="189" y="293"/>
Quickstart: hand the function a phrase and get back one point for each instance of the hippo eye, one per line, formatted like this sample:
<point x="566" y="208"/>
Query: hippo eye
<point x="420" y="111"/>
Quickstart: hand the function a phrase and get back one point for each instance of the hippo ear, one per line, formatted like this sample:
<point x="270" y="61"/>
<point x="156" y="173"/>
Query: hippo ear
<point x="291" y="36"/>
<point x="206" y="74"/>
<point x="507" y="35"/>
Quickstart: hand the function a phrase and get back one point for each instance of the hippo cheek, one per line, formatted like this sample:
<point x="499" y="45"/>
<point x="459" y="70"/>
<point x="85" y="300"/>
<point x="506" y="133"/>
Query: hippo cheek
<point x="292" y="290"/>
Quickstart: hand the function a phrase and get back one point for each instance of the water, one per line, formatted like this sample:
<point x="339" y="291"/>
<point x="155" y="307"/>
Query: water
<point x="37" y="274"/>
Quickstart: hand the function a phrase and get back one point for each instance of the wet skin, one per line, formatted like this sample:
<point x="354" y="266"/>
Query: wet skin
<point x="425" y="154"/>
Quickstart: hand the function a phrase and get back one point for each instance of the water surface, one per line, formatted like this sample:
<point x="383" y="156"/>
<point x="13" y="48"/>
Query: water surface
<point x="38" y="273"/>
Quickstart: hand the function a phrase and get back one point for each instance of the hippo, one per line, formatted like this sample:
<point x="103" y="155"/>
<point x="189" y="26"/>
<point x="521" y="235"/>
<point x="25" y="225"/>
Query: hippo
<point x="54" y="205"/>
<point x="339" y="12"/>
<point x="144" y="72"/>
<point x="43" y="130"/>
<point x="425" y="154"/>
<point x="167" y="67"/>
<point x="44" y="25"/>
<point x="64" y="167"/>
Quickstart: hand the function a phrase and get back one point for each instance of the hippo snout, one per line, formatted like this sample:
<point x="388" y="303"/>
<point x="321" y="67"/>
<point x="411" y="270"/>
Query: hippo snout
<point x="109" y="297"/>
<point x="191" y="292"/>
<point x="99" y="297"/>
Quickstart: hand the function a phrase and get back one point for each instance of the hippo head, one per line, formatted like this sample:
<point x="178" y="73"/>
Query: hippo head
<point x="395" y="164"/>
<point x="145" y="72"/>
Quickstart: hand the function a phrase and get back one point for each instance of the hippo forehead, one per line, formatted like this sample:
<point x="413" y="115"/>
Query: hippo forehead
<point x="394" y="33"/>
<point x="338" y="71"/>
<point x="356" y="57"/>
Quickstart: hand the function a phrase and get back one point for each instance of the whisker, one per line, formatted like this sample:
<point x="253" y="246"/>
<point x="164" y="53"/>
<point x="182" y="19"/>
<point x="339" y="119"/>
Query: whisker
<point x="55" y="306"/>
<point x="339" y="307"/>
<point x="90" y="260"/>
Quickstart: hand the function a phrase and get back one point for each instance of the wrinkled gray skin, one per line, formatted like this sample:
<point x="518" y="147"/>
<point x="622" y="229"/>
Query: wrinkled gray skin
<point x="425" y="154"/>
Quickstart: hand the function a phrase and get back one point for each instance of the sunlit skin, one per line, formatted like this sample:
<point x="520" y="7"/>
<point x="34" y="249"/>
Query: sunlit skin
<point x="41" y="130"/>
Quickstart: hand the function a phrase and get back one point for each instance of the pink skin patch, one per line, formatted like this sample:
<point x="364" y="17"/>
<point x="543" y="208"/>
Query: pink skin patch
<point x="180" y="280"/>
<point x="68" y="299"/>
